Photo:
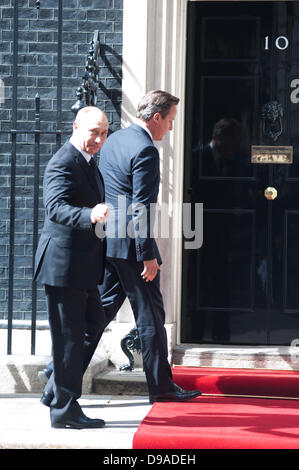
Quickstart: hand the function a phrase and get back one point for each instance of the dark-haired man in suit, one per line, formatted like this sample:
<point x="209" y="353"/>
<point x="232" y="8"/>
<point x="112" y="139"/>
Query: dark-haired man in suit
<point x="70" y="264"/>
<point x="129" y="165"/>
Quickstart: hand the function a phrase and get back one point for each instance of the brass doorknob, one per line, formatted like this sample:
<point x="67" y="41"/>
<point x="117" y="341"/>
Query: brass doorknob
<point x="270" y="193"/>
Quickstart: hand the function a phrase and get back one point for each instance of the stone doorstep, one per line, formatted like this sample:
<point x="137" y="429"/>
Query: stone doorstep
<point x="116" y="382"/>
<point x="252" y="357"/>
<point x="194" y="355"/>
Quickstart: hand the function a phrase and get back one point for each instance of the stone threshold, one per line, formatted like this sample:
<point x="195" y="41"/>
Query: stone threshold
<point x="115" y="381"/>
<point x="237" y="356"/>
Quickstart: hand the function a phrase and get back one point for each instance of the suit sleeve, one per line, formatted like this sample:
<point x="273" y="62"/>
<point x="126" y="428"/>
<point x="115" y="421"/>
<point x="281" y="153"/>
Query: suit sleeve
<point x="145" y="183"/>
<point x="61" y="197"/>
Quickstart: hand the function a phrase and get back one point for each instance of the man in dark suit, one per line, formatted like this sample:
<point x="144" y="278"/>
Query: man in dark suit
<point x="129" y="164"/>
<point x="69" y="262"/>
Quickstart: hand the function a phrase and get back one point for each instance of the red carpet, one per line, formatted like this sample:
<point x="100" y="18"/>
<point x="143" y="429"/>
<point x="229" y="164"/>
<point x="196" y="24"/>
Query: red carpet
<point x="226" y="422"/>
<point x="256" y="382"/>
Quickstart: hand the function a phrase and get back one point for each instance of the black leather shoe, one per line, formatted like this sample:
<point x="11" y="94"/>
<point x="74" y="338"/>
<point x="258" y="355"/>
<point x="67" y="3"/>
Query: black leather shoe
<point x="46" y="398"/>
<point x="179" y="389"/>
<point x="82" y="422"/>
<point x="177" y="395"/>
<point x="44" y="375"/>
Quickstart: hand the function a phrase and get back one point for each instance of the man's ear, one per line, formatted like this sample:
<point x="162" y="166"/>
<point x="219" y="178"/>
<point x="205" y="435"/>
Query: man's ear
<point x="157" y="117"/>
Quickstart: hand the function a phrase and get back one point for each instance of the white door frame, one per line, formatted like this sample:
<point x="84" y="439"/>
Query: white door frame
<point x="154" y="57"/>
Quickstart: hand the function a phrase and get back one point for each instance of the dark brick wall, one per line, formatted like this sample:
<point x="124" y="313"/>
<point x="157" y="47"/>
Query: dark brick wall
<point x="37" y="72"/>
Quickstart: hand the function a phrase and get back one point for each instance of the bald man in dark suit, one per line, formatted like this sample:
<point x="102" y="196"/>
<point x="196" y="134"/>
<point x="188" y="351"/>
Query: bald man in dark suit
<point x="69" y="262"/>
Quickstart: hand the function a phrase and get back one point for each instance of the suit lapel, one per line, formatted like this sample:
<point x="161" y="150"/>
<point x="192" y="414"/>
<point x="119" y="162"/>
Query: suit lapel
<point x="103" y="187"/>
<point x="94" y="170"/>
<point x="88" y="173"/>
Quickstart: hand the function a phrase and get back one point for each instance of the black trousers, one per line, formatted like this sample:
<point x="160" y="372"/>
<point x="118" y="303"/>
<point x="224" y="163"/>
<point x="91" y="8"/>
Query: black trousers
<point x="122" y="279"/>
<point x="77" y="320"/>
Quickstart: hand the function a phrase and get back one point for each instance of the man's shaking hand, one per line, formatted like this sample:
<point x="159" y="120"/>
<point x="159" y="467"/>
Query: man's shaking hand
<point x="100" y="213"/>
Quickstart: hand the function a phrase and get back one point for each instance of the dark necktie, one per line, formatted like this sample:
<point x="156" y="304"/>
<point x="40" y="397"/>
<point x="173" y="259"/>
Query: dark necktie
<point x="95" y="172"/>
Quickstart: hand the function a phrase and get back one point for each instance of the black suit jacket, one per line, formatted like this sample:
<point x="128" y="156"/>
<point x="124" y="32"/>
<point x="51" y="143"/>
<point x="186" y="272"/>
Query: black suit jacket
<point x="129" y="164"/>
<point x="69" y="253"/>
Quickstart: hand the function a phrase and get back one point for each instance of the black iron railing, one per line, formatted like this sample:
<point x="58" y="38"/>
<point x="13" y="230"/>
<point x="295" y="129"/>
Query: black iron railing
<point x="87" y="95"/>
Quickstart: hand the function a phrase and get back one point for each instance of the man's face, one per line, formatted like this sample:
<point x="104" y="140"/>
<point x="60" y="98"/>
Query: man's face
<point x="91" y="132"/>
<point x="163" y="125"/>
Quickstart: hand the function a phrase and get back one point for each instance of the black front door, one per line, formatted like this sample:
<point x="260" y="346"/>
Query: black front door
<point x="242" y="163"/>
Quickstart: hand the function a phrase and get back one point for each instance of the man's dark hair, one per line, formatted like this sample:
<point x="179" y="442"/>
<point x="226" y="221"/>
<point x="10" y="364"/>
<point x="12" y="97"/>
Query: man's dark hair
<point x="155" y="101"/>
